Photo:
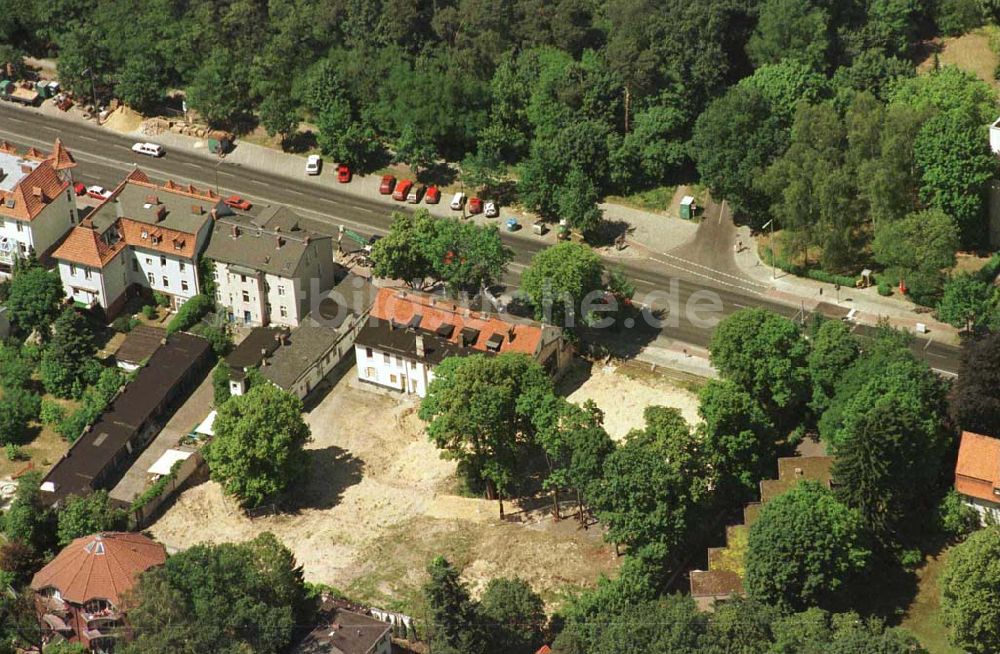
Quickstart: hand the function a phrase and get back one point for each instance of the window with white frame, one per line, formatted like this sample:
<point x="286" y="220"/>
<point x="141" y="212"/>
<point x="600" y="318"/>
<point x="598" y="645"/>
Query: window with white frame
<point x="166" y="282"/>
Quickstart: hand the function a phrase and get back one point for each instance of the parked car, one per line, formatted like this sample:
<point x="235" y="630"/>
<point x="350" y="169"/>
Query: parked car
<point x="343" y="173"/>
<point x="433" y="195"/>
<point x="80" y="188"/>
<point x="236" y="202"/>
<point x="402" y="190"/>
<point x="98" y="192"/>
<point x="313" y="164"/>
<point x="151" y="149"/>
<point x="458" y="201"/>
<point x="417" y="192"/>
<point x="475" y="206"/>
<point x="388" y="183"/>
<point x="491" y="210"/>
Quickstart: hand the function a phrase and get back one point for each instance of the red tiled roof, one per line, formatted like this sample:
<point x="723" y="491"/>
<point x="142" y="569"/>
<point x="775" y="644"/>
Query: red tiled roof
<point x="400" y="306"/>
<point x="84" y="246"/>
<point x="33" y="193"/>
<point x="61" y="157"/>
<point x="977" y="471"/>
<point x="168" y="241"/>
<point x="102" y="566"/>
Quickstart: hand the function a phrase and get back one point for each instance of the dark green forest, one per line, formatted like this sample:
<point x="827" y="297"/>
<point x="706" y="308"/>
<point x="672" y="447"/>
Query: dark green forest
<point x="805" y="111"/>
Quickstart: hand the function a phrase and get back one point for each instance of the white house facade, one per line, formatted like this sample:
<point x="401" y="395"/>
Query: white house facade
<point x="37" y="205"/>
<point x="268" y="270"/>
<point x="144" y="238"/>
<point x="409" y="333"/>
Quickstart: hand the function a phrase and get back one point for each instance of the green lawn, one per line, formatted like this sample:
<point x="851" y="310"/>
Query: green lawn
<point x="657" y="199"/>
<point x="923" y="616"/>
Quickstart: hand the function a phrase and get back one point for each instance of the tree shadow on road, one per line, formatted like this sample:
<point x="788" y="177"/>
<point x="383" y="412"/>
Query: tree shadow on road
<point x="333" y="471"/>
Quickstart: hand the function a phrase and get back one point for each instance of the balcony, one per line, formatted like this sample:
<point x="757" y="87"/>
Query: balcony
<point x="109" y="613"/>
<point x="105" y="631"/>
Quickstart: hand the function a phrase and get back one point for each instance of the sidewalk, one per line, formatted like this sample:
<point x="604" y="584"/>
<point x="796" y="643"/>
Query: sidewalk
<point x="869" y="305"/>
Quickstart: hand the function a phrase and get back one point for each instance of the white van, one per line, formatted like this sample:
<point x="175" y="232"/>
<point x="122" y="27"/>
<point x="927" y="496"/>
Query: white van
<point x="458" y="201"/>
<point x="151" y="149"/>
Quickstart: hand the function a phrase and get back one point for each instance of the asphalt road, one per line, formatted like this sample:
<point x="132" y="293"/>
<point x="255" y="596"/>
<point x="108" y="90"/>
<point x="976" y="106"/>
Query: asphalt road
<point x="671" y="286"/>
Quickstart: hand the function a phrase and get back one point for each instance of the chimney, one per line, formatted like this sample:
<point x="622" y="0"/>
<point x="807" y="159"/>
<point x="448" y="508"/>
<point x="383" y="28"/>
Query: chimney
<point x="37" y="192"/>
<point x="280" y="241"/>
<point x="236" y="231"/>
<point x="197" y="209"/>
<point x="214" y="214"/>
<point x="161" y="213"/>
<point x="26" y="169"/>
<point x="420" y="346"/>
<point x="510" y="334"/>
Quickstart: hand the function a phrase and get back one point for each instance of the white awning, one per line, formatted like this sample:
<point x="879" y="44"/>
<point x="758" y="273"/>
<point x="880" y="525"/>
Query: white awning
<point x="167" y="461"/>
<point x="206" y="425"/>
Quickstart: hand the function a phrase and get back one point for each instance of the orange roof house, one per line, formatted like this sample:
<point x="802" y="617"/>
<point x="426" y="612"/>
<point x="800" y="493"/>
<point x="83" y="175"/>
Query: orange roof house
<point x="80" y="591"/>
<point x="977" y="471"/>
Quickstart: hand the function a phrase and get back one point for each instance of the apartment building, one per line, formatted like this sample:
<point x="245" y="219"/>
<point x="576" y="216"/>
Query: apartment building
<point x="268" y="269"/>
<point x="144" y="238"/>
<point x="37" y="206"/>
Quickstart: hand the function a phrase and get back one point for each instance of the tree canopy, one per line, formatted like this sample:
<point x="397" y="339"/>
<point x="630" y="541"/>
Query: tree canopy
<point x="804" y="549"/>
<point x="562" y="282"/>
<point x="257" y="452"/>
<point x="969" y="587"/>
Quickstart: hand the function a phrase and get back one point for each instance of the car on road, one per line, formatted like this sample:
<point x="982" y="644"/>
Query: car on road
<point x="98" y="192"/>
<point x="433" y="195"/>
<point x="417" y="192"/>
<point x="150" y="149"/>
<point x="313" y="164"/>
<point x="388" y="183"/>
<point x="236" y="202"/>
<point x="80" y="188"/>
<point x="490" y="210"/>
<point x="458" y="201"/>
<point x="402" y="190"/>
<point x="475" y="206"/>
<point x="343" y="173"/>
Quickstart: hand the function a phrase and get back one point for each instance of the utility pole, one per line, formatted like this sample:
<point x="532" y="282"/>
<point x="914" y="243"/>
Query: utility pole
<point x="770" y="223"/>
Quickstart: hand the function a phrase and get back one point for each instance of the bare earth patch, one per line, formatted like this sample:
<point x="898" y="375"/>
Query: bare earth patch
<point x="623" y="397"/>
<point x="970" y="52"/>
<point x="380" y="505"/>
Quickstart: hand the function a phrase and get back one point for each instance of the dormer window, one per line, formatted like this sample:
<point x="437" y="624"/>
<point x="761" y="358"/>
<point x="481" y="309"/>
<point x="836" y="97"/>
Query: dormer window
<point x="145" y="234"/>
<point x="156" y="240"/>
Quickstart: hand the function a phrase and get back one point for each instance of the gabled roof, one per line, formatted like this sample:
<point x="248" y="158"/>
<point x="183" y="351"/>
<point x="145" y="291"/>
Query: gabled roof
<point x="977" y="471"/>
<point x="84" y="246"/>
<point x="274" y="242"/>
<point x="101" y="566"/>
<point x="458" y="325"/>
<point x="32" y="193"/>
<point x="158" y="238"/>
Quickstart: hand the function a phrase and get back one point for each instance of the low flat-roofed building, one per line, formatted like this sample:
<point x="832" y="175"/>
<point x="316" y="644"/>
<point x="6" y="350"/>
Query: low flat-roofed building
<point x="139" y="345"/>
<point x="100" y="456"/>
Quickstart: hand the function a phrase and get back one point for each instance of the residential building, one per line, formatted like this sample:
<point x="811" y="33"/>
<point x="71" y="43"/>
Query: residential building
<point x="322" y="340"/>
<point x="144" y="238"/>
<point x="723" y="579"/>
<point x="977" y="474"/>
<point x="409" y="333"/>
<point x="105" y="450"/>
<point x="79" y="593"/>
<point x="342" y="631"/>
<point x="259" y="344"/>
<point x="268" y="268"/>
<point x="37" y="205"/>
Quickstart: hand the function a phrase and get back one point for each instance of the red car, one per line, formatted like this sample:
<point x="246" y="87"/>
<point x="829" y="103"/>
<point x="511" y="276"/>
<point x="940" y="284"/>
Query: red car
<point x="236" y="202"/>
<point x="388" y="183"/>
<point x="475" y="206"/>
<point x="433" y="195"/>
<point x="80" y="188"/>
<point x="402" y="190"/>
<point x="343" y="173"/>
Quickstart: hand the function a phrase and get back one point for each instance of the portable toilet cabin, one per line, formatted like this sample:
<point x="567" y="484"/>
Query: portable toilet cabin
<point x="687" y="207"/>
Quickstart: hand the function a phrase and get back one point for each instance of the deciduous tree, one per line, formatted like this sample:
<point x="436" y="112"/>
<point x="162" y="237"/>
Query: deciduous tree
<point x="257" y="452"/>
<point x="804" y="549"/>
<point x="975" y="404"/>
<point x="559" y="281"/>
<point x="969" y="587"/>
<point x="68" y="365"/>
<point x="514" y="615"/>
<point x="82" y="516"/>
<point x="35" y="298"/>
